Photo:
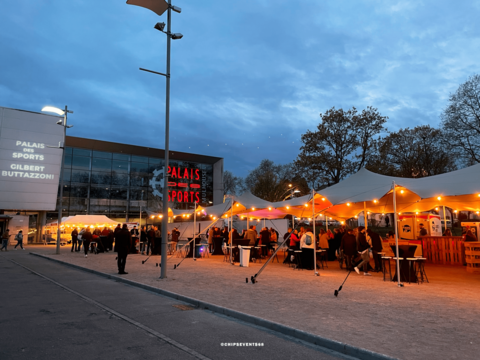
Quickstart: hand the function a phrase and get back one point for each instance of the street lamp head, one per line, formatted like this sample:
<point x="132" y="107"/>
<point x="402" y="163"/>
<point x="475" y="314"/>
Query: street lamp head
<point x="53" y="109"/>
<point x="177" y="36"/>
<point x="176" y="9"/>
<point x="160" y="26"/>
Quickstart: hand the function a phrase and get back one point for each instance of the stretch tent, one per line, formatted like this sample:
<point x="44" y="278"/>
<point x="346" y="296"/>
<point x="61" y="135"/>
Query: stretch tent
<point x="85" y="220"/>
<point x="372" y="192"/>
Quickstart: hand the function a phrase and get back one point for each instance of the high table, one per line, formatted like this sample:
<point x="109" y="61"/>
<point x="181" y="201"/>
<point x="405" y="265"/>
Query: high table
<point x="406" y="251"/>
<point x="192" y="245"/>
<point x="217" y="245"/>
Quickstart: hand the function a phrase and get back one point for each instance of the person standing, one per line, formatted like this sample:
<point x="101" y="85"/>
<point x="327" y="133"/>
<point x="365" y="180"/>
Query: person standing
<point x="150" y="239"/>
<point x="87" y="237"/>
<point x="349" y="247"/>
<point x="423" y="231"/>
<point x="363" y="247"/>
<point x="211" y="233"/>
<point x="5" y="237"/>
<point x="377" y="247"/>
<point x="74" y="239"/>
<point x="143" y="239"/>
<point x="19" y="238"/>
<point x="265" y="240"/>
<point x="251" y="236"/>
<point x="123" y="242"/>
<point x="175" y="238"/>
<point x="307" y="246"/>
<point x="135" y="234"/>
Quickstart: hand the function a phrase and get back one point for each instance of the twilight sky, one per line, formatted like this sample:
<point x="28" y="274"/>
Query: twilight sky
<point x="248" y="78"/>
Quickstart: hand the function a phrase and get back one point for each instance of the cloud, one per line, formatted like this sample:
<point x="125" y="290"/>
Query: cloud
<point x="253" y="75"/>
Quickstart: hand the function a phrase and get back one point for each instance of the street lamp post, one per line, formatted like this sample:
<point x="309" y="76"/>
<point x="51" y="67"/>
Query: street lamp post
<point x="159" y="7"/>
<point x="60" y="146"/>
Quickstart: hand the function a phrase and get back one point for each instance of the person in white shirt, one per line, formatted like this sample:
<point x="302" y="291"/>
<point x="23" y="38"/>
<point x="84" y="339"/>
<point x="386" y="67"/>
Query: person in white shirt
<point x="307" y="244"/>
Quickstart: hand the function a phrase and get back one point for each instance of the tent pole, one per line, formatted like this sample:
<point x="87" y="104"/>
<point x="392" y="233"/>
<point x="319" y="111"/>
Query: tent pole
<point x="444" y="218"/>
<point x="396" y="234"/>
<point x="365" y="216"/>
<point x="314" y="236"/>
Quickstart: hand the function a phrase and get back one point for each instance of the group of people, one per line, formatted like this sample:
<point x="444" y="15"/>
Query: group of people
<point x="345" y="243"/>
<point x="6" y="238"/>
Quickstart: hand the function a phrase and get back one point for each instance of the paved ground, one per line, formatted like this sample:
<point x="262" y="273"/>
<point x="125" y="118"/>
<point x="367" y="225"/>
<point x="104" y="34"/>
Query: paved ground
<point x="41" y="320"/>
<point x="439" y="319"/>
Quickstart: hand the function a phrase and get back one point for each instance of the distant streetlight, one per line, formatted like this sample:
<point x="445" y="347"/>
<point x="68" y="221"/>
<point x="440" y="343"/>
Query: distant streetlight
<point x="63" y="123"/>
<point x="159" y="7"/>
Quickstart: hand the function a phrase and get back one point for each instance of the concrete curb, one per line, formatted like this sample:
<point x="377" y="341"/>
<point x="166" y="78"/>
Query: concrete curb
<point x="337" y="346"/>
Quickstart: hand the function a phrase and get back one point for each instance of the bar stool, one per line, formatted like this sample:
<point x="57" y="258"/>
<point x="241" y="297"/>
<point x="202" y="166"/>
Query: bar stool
<point x="421" y="270"/>
<point x="258" y="254"/>
<point x="385" y="261"/>
<point x="275" y="247"/>
<point x="298" y="259"/>
<point x="400" y="259"/>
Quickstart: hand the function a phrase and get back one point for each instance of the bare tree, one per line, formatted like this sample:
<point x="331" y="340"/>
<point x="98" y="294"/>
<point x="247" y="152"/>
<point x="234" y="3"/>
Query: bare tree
<point x="412" y="153"/>
<point x="232" y="185"/>
<point x="461" y="121"/>
<point x="342" y="144"/>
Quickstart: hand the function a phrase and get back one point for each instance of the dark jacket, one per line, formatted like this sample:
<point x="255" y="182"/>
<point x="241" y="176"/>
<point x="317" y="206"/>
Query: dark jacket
<point x="175" y="235"/>
<point x="265" y="237"/>
<point x="362" y="242"/>
<point x="151" y="234"/>
<point x="123" y="241"/>
<point x="376" y="241"/>
<point x="143" y="236"/>
<point x="74" y="234"/>
<point x="87" y="236"/>
<point x="349" y="244"/>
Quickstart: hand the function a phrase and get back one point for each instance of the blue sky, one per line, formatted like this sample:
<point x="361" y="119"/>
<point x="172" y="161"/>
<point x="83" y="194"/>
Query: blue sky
<point x="248" y="78"/>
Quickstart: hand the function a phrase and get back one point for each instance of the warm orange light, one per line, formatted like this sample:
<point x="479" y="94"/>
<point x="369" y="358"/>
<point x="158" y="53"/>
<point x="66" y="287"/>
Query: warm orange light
<point x="342" y="222"/>
<point x="238" y="205"/>
<point x="478" y="212"/>
<point x="211" y="215"/>
<point x="288" y="207"/>
<point x="214" y="218"/>
<point x="183" y="215"/>
<point x="439" y="198"/>
<point x="323" y="199"/>
<point x="330" y="218"/>
<point x="348" y="204"/>
<point x="356" y="217"/>
<point x="198" y="213"/>
<point x="253" y="208"/>
<point x="309" y="219"/>
<point x="375" y="201"/>
<point x="251" y="218"/>
<point x="368" y="212"/>
<point x="242" y="217"/>
<point x="289" y="185"/>
<point x="306" y="205"/>
<point x="383" y="214"/>
<point x="153" y="216"/>
<point x="188" y="215"/>
<point x="416" y="213"/>
<point x="399" y="213"/>
<point x="436" y="209"/>
<point x="401" y="191"/>
<point x="455" y="211"/>
<point x="270" y="208"/>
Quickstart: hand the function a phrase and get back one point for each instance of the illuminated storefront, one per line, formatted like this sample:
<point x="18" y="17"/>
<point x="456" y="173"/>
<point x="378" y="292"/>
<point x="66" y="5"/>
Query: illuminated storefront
<point x="100" y="177"/>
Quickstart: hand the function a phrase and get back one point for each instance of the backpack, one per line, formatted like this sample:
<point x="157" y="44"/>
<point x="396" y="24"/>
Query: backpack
<point x="308" y="239"/>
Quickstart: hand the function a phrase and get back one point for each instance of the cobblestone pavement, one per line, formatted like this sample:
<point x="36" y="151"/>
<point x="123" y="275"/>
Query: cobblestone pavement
<point x="433" y="320"/>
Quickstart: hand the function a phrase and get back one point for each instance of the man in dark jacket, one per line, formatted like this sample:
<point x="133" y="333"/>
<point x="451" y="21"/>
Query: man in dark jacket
<point x="87" y="238"/>
<point x="349" y="246"/>
<point x="123" y="242"/>
<point x="363" y="247"/>
<point x="377" y="247"/>
<point x="150" y="239"/>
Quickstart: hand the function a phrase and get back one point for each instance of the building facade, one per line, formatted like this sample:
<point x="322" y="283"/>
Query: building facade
<point x="123" y="182"/>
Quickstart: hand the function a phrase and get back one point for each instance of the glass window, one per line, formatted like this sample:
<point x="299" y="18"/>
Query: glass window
<point x="117" y="156"/>
<point x="102" y="165"/>
<point x="139" y="180"/>
<point x="101" y="178"/>
<point x="68" y="161"/>
<point x="120" y="166"/>
<point x="138" y="194"/>
<point x="118" y="193"/>
<point x="80" y="162"/>
<point x="102" y="154"/>
<point x="67" y="174"/>
<point x="78" y="205"/>
<point x="82" y="152"/>
<point x="80" y="176"/>
<point x="140" y="158"/>
<point x="100" y="192"/>
<point x="68" y="150"/>
<point x="79" y="191"/>
<point x="66" y="190"/>
<point x="119" y="179"/>
<point x="156" y="162"/>
<point x="138" y="167"/>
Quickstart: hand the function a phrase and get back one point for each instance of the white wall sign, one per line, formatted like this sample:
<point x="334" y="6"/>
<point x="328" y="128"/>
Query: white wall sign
<point x="29" y="170"/>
